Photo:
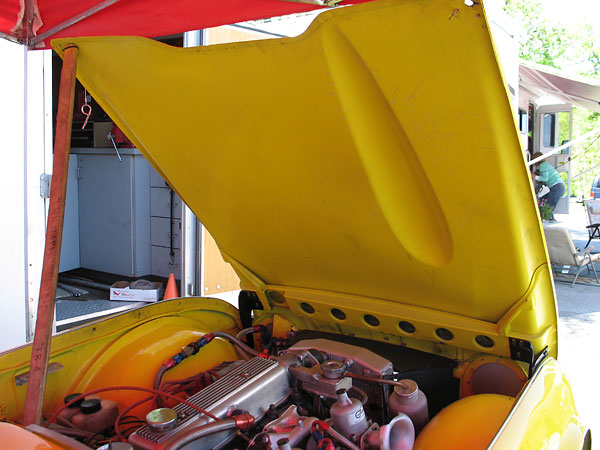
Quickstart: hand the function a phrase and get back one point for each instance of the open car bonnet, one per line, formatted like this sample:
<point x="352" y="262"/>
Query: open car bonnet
<point x="364" y="178"/>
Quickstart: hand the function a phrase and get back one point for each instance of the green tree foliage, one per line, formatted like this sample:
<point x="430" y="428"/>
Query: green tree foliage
<point x="541" y="42"/>
<point x="585" y="53"/>
<point x="575" y="51"/>
<point x="586" y="155"/>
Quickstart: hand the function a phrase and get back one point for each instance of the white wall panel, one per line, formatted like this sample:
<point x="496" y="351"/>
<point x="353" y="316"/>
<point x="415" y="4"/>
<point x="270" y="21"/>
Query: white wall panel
<point x="12" y="196"/>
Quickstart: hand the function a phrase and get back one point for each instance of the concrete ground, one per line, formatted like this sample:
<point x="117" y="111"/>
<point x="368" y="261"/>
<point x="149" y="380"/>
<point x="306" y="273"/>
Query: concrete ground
<point x="579" y="329"/>
<point x="578" y="348"/>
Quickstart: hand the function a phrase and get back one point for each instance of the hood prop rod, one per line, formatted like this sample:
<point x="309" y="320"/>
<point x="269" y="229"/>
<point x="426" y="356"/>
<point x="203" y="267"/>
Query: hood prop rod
<point x="34" y="399"/>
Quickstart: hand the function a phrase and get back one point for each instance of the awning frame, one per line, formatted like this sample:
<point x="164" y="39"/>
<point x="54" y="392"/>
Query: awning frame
<point x="71" y="21"/>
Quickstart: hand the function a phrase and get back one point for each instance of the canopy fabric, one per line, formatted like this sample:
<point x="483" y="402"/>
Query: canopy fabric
<point x="150" y="18"/>
<point x="538" y="81"/>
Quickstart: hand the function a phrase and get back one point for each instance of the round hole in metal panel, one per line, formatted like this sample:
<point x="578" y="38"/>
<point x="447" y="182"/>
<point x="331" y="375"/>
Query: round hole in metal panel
<point x="444" y="334"/>
<point x="484" y="341"/>
<point x="307" y="308"/>
<point x="371" y="320"/>
<point x="277" y="297"/>
<point x="338" y="314"/>
<point x="407" y="327"/>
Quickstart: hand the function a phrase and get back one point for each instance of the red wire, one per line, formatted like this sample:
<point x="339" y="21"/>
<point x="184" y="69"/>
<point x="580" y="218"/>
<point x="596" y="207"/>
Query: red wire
<point x="126" y="410"/>
<point x="196" y="382"/>
<point x="127" y="388"/>
<point x="185" y="380"/>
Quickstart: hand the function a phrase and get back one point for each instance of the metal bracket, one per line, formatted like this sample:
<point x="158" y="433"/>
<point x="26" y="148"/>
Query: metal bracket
<point x="538" y="360"/>
<point x="522" y="350"/>
<point x="45" y="183"/>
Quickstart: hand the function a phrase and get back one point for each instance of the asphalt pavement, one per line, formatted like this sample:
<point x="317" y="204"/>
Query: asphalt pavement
<point x="579" y="329"/>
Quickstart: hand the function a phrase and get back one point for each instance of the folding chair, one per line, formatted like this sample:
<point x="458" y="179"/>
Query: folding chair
<point x="592" y="208"/>
<point x="562" y="252"/>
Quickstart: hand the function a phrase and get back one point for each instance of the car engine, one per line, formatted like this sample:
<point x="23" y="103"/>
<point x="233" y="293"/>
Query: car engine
<point x="312" y="391"/>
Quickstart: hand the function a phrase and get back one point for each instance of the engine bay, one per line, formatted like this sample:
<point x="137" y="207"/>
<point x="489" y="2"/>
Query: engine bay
<point x="308" y="390"/>
<point x="301" y="389"/>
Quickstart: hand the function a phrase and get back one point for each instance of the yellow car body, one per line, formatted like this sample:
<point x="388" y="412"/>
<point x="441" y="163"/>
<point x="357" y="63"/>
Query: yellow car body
<point x="364" y="179"/>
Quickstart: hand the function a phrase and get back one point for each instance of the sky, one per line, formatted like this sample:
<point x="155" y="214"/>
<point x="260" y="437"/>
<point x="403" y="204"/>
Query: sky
<point x="574" y="11"/>
<point x="571" y="14"/>
<point x="568" y="11"/>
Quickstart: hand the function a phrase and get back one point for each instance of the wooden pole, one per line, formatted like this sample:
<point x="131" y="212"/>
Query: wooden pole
<point x="34" y="400"/>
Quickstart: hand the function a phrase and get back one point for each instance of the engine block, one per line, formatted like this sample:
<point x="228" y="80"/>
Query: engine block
<point x="252" y="386"/>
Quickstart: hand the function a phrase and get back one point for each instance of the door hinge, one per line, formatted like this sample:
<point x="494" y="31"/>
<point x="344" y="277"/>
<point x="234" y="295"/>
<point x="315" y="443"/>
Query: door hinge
<point x="45" y="183"/>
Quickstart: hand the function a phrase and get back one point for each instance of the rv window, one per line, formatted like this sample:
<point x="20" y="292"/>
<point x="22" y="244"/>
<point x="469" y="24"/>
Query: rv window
<point x="549" y="130"/>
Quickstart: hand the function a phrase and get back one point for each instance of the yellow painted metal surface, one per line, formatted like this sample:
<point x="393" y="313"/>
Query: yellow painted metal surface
<point x="125" y="350"/>
<point x="467" y="424"/>
<point x="15" y="437"/>
<point x="291" y="304"/>
<point x="371" y="165"/>
<point x="544" y="416"/>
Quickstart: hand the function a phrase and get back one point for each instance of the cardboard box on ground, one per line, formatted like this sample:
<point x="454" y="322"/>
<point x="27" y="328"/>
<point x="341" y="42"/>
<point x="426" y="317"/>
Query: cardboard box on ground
<point x="136" y="291"/>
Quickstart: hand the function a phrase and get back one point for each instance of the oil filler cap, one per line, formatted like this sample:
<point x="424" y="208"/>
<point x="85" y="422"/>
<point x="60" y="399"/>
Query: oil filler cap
<point x="333" y="369"/>
<point x="91" y="406"/>
<point x="408" y="388"/>
<point x="70" y="397"/>
<point x="161" y="419"/>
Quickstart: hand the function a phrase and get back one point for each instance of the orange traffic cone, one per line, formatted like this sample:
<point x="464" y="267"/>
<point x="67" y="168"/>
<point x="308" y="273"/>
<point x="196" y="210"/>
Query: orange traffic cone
<point x="171" y="289"/>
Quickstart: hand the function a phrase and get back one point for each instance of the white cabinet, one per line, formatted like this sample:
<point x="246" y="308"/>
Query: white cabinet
<point x="69" y="253"/>
<point x="165" y="211"/>
<point x="161" y="203"/>
<point x="123" y="217"/>
<point x="161" y="231"/>
<point x="156" y="180"/>
<point x="163" y="263"/>
<point x="114" y="211"/>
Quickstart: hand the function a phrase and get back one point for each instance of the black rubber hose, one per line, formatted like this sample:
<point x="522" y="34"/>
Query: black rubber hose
<point x="358" y="394"/>
<point x="247" y="301"/>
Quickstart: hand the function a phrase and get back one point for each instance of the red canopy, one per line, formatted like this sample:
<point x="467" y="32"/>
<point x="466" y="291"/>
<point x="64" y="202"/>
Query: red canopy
<point x="49" y="19"/>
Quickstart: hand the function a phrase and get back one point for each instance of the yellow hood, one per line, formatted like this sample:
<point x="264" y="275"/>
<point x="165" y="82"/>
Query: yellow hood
<point x="370" y="166"/>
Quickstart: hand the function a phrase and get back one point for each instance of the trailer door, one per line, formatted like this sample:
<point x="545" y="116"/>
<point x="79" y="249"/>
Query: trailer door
<point x="553" y="128"/>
